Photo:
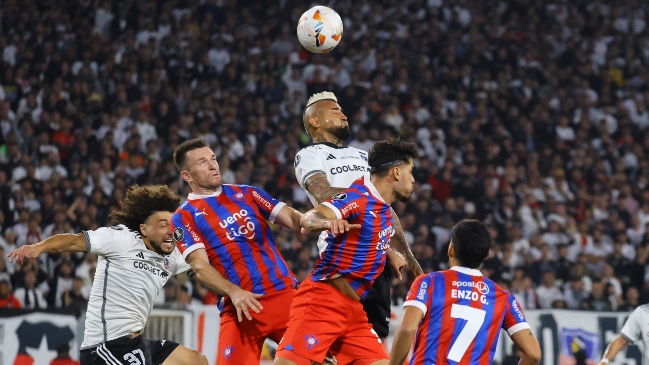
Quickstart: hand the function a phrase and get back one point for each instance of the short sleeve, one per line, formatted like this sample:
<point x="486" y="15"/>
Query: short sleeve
<point x="514" y="318"/>
<point x="631" y="331"/>
<point x="187" y="237"/>
<point x="106" y="241"/>
<point x="308" y="162"/>
<point x="346" y="205"/>
<point x="419" y="293"/>
<point x="268" y="205"/>
<point x="181" y="265"/>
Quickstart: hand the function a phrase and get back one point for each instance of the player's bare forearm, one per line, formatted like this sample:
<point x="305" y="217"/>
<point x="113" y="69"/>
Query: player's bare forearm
<point x="289" y="218"/>
<point x="319" y="187"/>
<point x="529" y="347"/>
<point x="399" y="243"/>
<point x="56" y="244"/>
<point x="405" y="334"/>
<point x="613" y="349"/>
<point x="317" y="219"/>
<point x="208" y="275"/>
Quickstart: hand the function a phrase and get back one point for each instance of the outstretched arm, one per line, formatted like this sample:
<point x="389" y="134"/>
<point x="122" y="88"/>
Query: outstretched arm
<point x="59" y="243"/>
<point x="289" y="218"/>
<point x="613" y="349"/>
<point x="322" y="218"/>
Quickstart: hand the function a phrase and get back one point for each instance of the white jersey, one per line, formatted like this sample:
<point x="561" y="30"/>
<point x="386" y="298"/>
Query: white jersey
<point x="128" y="279"/>
<point x="341" y="165"/>
<point x="637" y="328"/>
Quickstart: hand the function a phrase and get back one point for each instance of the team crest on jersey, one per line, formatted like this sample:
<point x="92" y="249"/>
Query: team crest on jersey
<point x="179" y="234"/>
<point x="297" y="160"/>
<point x="339" y="196"/>
<point x="227" y="352"/>
<point x="238" y="196"/>
<point x="311" y="341"/>
<point x="166" y="263"/>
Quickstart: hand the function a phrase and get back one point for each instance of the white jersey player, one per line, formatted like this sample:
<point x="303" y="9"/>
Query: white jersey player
<point x="635" y="328"/>
<point x="136" y="259"/>
<point x="328" y="167"/>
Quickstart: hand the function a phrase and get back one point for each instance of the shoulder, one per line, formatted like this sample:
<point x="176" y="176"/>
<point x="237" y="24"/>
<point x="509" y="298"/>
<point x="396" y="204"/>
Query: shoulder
<point x="313" y="149"/>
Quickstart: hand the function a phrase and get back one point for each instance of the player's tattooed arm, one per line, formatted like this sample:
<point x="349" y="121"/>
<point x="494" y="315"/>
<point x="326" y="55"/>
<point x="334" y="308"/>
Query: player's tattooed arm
<point x="322" y="218"/>
<point x="399" y="243"/>
<point x="319" y="187"/>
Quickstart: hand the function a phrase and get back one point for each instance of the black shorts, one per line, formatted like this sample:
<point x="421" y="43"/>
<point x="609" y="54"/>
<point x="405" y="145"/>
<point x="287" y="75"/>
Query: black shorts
<point x="128" y="351"/>
<point x="377" y="303"/>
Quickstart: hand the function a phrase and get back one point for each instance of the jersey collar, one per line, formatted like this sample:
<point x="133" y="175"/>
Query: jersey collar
<point x="329" y="144"/>
<point x="466" y="270"/>
<point x="372" y="189"/>
<point x="193" y="196"/>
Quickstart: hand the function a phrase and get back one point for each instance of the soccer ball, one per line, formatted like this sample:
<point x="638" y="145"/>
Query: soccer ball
<point x="319" y="29"/>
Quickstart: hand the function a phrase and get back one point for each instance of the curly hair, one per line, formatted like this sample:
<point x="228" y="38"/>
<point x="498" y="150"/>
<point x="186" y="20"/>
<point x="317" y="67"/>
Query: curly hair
<point x="384" y="155"/>
<point x="141" y="202"/>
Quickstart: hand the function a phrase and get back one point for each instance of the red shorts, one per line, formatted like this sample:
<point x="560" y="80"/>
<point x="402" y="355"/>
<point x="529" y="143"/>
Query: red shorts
<point x="242" y="342"/>
<point x="323" y="319"/>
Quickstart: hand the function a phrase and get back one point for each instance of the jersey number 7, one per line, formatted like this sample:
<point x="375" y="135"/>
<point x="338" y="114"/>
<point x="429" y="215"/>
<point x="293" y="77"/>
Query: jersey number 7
<point x="474" y="318"/>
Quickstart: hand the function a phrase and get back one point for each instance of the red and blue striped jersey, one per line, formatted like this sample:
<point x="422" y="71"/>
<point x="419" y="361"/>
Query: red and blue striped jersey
<point x="232" y="226"/>
<point x="358" y="255"/>
<point x="463" y="315"/>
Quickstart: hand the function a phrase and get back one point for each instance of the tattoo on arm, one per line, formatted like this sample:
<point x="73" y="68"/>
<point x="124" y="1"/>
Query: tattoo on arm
<point x="317" y="220"/>
<point x="401" y="245"/>
<point x="319" y="187"/>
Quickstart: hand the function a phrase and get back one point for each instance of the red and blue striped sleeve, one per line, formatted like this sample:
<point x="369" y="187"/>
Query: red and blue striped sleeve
<point x="419" y="294"/>
<point x="514" y="319"/>
<point x="347" y="205"/>
<point x="268" y="205"/>
<point x="187" y="237"/>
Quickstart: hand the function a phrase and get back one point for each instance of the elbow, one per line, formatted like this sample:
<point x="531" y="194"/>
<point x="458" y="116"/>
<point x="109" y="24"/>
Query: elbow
<point x="304" y="223"/>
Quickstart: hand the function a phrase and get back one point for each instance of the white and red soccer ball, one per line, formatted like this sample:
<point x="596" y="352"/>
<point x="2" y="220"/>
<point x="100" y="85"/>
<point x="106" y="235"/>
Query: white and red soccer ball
<point x="320" y="29"/>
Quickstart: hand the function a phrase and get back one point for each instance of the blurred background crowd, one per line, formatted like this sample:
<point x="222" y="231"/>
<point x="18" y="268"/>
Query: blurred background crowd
<point x="531" y="115"/>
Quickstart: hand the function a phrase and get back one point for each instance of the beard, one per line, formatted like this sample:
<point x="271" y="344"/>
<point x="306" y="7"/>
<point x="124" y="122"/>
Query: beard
<point x="342" y="133"/>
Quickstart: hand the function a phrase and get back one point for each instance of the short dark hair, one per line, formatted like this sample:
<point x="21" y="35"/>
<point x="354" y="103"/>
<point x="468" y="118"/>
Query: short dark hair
<point x="471" y="241"/>
<point x="141" y="202"/>
<point x="180" y="154"/>
<point x="384" y="155"/>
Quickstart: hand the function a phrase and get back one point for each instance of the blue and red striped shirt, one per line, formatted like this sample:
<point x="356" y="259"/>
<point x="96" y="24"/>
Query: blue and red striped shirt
<point x="232" y="226"/>
<point x="358" y="255"/>
<point x="463" y="315"/>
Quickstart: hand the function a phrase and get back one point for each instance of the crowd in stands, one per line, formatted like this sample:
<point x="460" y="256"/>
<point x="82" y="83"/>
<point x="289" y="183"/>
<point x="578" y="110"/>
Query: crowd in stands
<point x="531" y="116"/>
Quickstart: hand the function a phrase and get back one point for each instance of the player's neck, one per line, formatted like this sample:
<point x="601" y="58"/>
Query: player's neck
<point x="197" y="190"/>
<point x="327" y="138"/>
<point x="384" y="189"/>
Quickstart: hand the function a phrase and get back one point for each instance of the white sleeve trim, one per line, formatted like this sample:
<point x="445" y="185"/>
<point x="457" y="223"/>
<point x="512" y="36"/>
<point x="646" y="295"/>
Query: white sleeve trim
<point x="518" y="327"/>
<point x="192" y="248"/>
<point x="333" y="207"/>
<point x="416" y="303"/>
<point x="275" y="212"/>
<point x="308" y="175"/>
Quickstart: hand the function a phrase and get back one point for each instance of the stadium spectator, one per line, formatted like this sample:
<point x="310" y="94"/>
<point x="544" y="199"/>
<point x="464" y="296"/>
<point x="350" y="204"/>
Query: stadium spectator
<point x="539" y="124"/>
<point x="7" y="300"/>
